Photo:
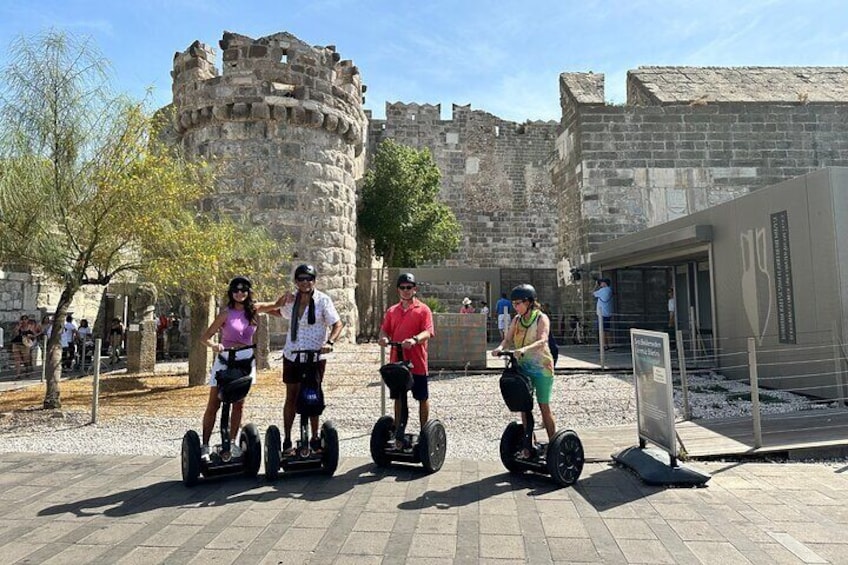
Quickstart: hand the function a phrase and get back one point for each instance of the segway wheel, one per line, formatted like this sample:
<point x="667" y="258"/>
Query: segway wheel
<point x="190" y="458"/>
<point x="432" y="446"/>
<point x="251" y="446"/>
<point x="272" y="453"/>
<point x="511" y="440"/>
<point x="330" y="448"/>
<point x="380" y="435"/>
<point x="565" y="457"/>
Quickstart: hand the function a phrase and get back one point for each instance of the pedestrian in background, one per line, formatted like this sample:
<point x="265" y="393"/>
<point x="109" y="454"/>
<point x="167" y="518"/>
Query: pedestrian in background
<point x="502" y="308"/>
<point x="603" y="295"/>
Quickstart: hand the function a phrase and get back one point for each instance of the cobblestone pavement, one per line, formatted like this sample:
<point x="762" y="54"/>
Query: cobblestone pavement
<point x="109" y="509"/>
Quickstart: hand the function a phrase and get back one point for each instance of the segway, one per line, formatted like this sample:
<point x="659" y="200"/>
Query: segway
<point x="392" y="443"/>
<point x="562" y="458"/>
<point x="233" y="385"/>
<point x="310" y="402"/>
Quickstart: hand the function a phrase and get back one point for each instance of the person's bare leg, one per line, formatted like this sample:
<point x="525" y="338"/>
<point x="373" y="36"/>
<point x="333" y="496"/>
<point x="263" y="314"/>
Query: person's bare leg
<point x="235" y="419"/>
<point x="423" y="412"/>
<point x="313" y="421"/>
<point x="548" y="420"/>
<point x="292" y="390"/>
<point x="212" y="406"/>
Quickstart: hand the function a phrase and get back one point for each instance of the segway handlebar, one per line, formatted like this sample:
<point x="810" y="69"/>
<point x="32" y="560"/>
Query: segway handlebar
<point x="309" y="355"/>
<point x="508" y="353"/>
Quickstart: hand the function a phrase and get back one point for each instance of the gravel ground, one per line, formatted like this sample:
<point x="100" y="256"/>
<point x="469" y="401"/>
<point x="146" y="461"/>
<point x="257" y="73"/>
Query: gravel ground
<point x="469" y="405"/>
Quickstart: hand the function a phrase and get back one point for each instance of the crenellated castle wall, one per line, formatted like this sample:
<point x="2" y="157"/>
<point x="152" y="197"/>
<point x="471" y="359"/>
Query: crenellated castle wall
<point x="495" y="177"/>
<point x="286" y="123"/>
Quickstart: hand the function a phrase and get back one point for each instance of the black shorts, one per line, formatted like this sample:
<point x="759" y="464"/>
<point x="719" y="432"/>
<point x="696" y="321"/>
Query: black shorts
<point x="420" y="390"/>
<point x="293" y="372"/>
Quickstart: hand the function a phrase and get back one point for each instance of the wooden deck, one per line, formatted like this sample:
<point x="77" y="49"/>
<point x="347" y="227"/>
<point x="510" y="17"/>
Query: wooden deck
<point x="809" y="429"/>
<point x="813" y="430"/>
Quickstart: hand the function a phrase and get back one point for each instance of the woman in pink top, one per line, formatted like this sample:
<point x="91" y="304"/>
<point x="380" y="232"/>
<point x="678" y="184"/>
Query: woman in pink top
<point x="236" y="325"/>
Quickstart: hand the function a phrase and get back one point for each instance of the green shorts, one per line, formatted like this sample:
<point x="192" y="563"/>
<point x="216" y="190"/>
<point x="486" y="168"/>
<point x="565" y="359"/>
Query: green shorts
<point x="544" y="385"/>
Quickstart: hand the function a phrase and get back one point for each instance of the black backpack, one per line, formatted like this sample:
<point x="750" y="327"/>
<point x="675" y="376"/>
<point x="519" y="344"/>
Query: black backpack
<point x="310" y="399"/>
<point x="516" y="389"/>
<point x="234" y="382"/>
<point x="397" y="376"/>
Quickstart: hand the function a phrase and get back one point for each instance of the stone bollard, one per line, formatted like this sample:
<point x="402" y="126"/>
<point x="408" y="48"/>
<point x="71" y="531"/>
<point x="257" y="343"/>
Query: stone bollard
<point x="263" y="349"/>
<point x="141" y="347"/>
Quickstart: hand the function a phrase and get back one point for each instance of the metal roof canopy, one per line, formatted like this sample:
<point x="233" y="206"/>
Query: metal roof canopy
<point x="653" y="246"/>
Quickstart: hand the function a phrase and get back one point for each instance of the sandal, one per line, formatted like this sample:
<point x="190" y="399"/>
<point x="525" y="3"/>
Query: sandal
<point x="315" y="444"/>
<point x="287" y="448"/>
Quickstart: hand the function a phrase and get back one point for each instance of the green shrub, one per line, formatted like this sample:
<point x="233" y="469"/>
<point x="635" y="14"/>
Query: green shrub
<point x="434" y="304"/>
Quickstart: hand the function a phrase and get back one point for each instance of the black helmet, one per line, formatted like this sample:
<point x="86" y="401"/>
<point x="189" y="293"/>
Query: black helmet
<point x="407" y="278"/>
<point x="239" y="281"/>
<point x="306" y="270"/>
<point x="523" y="292"/>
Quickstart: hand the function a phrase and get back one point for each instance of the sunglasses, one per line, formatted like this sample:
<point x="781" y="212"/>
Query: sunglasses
<point x="240" y="289"/>
<point x="305" y="279"/>
<point x="406" y="287"/>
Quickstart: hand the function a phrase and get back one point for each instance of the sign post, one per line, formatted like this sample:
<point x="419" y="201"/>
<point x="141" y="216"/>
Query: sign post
<point x="654" y="390"/>
<point x="652" y="376"/>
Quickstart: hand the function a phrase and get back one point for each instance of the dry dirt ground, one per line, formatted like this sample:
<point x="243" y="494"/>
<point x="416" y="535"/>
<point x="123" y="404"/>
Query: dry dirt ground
<point x="121" y="395"/>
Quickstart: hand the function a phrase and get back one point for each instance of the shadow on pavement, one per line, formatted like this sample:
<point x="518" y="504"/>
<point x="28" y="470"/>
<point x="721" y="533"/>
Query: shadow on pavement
<point x="471" y="493"/>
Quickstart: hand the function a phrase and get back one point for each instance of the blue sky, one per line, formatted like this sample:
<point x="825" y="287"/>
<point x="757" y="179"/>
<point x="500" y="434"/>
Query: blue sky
<point x="501" y="57"/>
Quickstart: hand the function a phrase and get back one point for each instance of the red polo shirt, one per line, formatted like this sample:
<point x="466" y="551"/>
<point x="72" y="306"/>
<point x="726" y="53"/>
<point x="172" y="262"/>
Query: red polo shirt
<point x="400" y="324"/>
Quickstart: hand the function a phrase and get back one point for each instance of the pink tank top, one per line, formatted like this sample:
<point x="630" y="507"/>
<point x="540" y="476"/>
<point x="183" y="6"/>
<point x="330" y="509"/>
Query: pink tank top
<point x="236" y="329"/>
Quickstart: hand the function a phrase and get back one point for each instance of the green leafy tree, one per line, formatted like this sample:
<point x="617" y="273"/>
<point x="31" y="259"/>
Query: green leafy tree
<point x="400" y="208"/>
<point x="87" y="193"/>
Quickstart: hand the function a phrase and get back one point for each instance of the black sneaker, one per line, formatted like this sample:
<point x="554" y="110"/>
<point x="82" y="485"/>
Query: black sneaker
<point x="287" y="448"/>
<point x="315" y="444"/>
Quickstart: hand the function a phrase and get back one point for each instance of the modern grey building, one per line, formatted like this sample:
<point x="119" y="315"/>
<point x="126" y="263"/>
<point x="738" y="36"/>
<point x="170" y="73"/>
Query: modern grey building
<point x="771" y="265"/>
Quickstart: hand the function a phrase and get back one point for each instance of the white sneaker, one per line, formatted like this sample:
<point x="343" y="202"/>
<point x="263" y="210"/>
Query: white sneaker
<point x="235" y="450"/>
<point x="204" y="453"/>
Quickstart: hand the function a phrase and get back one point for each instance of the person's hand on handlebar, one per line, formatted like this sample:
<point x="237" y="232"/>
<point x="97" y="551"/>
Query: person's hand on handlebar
<point x="383" y="341"/>
<point x="407" y="343"/>
<point x="496" y="352"/>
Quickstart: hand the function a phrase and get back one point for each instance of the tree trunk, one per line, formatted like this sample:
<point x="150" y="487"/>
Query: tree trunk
<point x="53" y="359"/>
<point x="199" y="357"/>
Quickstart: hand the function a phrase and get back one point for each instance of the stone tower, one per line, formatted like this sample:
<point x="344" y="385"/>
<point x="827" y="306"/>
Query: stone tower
<point x="285" y="119"/>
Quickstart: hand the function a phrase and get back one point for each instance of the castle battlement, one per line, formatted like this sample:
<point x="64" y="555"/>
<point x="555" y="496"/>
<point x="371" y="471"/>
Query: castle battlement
<point x="274" y="78"/>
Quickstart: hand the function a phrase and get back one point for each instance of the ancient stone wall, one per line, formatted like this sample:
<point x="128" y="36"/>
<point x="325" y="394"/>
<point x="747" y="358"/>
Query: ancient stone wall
<point x="27" y="293"/>
<point x="495" y="177"/>
<point x="674" y="149"/>
<point x="285" y="120"/>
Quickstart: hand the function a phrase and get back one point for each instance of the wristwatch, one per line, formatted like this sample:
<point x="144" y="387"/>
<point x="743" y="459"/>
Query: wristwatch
<point x="415" y="339"/>
<point x="330" y="343"/>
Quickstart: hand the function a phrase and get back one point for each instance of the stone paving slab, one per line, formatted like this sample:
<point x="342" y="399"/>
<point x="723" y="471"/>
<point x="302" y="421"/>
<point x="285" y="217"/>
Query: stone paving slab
<point x="99" y="510"/>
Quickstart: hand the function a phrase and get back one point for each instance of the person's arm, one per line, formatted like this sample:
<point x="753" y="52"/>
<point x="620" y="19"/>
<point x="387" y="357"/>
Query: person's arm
<point x="206" y="338"/>
<point x="335" y="332"/>
<point x="424" y="332"/>
<point x="285" y="304"/>
<point x="419" y="337"/>
<point x="385" y="336"/>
